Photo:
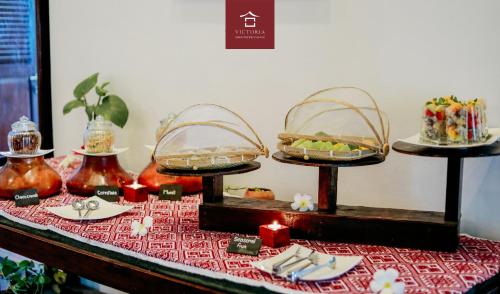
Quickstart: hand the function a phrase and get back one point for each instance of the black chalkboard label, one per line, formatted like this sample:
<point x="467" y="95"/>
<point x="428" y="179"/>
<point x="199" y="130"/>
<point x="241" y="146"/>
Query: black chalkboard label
<point x="26" y="197"/>
<point x="170" y="192"/>
<point x="108" y="193"/>
<point x="244" y="245"/>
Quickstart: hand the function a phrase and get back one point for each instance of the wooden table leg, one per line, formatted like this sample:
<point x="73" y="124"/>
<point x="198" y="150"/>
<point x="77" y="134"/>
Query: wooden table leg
<point x="213" y="188"/>
<point x="453" y="189"/>
<point x="327" y="189"/>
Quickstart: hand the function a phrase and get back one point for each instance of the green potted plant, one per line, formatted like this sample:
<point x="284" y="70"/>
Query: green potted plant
<point x="100" y="166"/>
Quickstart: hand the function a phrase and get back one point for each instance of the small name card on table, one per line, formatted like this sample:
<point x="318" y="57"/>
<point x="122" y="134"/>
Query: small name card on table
<point x="170" y="192"/>
<point x="26" y="197"/>
<point x="245" y="245"/>
<point x="108" y="193"/>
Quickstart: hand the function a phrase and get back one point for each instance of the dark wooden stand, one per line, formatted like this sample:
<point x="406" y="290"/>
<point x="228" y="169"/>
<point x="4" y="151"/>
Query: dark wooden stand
<point x="212" y="180"/>
<point x="328" y="176"/>
<point x="455" y="158"/>
<point x="331" y="222"/>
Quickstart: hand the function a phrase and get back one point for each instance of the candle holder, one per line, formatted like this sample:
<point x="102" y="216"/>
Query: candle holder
<point x="274" y="235"/>
<point x="135" y="192"/>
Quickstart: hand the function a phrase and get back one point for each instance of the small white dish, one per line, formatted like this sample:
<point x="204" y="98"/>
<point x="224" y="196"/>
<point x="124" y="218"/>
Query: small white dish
<point x="343" y="264"/>
<point x="115" y="151"/>
<point x="106" y="210"/>
<point x="13" y="155"/>
<point x="493" y="132"/>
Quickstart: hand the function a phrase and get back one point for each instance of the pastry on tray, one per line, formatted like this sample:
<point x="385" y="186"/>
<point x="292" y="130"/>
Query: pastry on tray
<point x="207" y="136"/>
<point x="336" y="124"/>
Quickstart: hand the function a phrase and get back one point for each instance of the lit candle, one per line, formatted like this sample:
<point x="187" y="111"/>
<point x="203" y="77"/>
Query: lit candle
<point x="135" y="192"/>
<point x="274" y="226"/>
<point x="274" y="235"/>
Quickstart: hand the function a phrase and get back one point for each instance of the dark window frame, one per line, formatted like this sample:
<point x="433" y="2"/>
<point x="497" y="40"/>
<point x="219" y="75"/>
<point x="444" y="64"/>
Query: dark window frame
<point x="41" y="104"/>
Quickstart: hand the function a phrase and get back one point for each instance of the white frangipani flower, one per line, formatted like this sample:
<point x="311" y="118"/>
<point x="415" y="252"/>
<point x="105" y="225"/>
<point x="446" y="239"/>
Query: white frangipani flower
<point x="384" y="282"/>
<point x="302" y="202"/>
<point x="141" y="229"/>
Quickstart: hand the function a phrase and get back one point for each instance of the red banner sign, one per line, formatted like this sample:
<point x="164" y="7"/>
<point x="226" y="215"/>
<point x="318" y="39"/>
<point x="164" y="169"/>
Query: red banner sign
<point x="249" y="24"/>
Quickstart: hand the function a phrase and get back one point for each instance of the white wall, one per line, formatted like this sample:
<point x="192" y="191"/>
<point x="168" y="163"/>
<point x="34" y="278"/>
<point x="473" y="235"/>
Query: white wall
<point x="163" y="55"/>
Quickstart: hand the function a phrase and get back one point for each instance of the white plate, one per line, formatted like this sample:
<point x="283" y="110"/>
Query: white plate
<point x="115" y="151"/>
<point x="106" y="210"/>
<point x="343" y="265"/>
<point x="493" y="132"/>
<point x="39" y="153"/>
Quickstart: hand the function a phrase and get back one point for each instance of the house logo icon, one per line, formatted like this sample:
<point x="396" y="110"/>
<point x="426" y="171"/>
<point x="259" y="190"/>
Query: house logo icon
<point x="250" y="19"/>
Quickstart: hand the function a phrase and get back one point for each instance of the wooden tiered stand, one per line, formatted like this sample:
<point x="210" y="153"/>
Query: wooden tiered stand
<point x="332" y="222"/>
<point x="454" y="180"/>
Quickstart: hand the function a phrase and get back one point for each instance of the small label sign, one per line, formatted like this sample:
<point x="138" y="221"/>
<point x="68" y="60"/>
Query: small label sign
<point x="244" y="245"/>
<point x="26" y="197"/>
<point x="170" y="192"/>
<point x="108" y="193"/>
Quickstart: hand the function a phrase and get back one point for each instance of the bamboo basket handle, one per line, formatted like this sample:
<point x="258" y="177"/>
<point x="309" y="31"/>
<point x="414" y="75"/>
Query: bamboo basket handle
<point x="330" y="110"/>
<point x="384" y="134"/>
<point x="348" y="105"/>
<point x="262" y="148"/>
<point x="208" y="104"/>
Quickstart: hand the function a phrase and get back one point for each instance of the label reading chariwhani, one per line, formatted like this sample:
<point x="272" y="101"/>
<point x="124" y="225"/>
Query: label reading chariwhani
<point x="26" y="197"/>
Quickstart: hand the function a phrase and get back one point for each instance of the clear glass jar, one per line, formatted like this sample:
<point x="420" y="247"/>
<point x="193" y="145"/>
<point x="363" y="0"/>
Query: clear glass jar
<point x="456" y="123"/>
<point x="99" y="136"/>
<point x="484" y="120"/>
<point x="24" y="138"/>
<point x="433" y="127"/>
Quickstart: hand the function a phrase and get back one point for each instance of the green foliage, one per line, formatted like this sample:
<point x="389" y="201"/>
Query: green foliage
<point x="24" y="277"/>
<point x="85" y="86"/>
<point x="110" y="106"/>
<point x="114" y="109"/>
<point x="72" y="105"/>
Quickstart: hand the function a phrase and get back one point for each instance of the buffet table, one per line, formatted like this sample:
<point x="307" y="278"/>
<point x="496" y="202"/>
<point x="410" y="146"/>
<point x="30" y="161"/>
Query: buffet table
<point x="176" y="255"/>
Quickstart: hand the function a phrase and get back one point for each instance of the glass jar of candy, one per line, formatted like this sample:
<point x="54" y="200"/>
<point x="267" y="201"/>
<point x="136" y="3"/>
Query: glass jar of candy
<point x="24" y="138"/>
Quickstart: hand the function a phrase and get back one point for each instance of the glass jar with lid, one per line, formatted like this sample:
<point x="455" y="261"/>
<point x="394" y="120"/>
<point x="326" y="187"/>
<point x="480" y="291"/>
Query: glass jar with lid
<point x="24" y="138"/>
<point x="99" y="136"/>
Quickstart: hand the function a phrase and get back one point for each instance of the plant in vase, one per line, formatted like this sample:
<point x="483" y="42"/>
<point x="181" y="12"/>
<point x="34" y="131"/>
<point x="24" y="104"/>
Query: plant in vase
<point x="110" y="106"/>
<point x="109" y="109"/>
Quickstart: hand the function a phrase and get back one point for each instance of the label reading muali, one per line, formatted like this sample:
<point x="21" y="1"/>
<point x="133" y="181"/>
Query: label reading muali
<point x="170" y="192"/>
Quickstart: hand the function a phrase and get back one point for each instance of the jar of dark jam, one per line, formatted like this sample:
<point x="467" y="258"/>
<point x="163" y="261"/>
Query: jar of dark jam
<point x="24" y="138"/>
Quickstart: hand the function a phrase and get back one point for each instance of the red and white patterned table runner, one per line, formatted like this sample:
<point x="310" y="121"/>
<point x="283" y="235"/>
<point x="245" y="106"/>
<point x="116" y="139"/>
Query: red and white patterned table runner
<point x="175" y="241"/>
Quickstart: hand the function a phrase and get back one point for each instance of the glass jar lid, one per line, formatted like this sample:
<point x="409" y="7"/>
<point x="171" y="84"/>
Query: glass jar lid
<point x="23" y="125"/>
<point x="99" y="123"/>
